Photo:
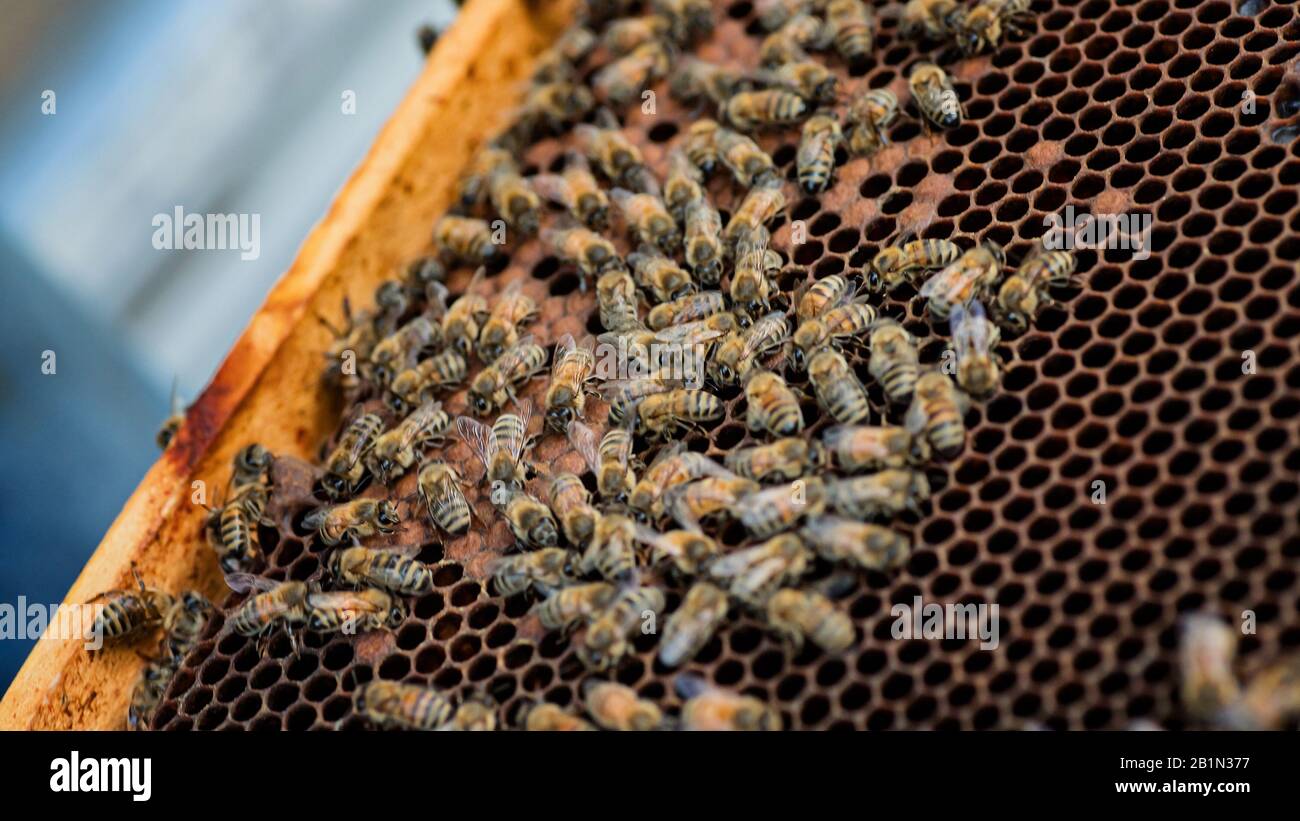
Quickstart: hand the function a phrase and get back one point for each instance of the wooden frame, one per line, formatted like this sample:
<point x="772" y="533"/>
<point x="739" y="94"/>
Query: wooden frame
<point x="268" y="389"/>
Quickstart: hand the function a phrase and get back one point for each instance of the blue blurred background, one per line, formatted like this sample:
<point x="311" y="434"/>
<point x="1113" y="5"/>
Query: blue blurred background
<point x="218" y="107"/>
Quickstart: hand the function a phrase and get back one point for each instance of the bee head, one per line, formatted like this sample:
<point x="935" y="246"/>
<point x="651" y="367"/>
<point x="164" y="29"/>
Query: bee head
<point x="464" y="345"/>
<point x="387" y="514"/>
<point x="334" y="485"/>
<point x="559" y="417"/>
<point x="481" y="404"/>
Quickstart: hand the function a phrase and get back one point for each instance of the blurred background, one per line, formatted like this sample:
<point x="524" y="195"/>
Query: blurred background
<point x="234" y="107"/>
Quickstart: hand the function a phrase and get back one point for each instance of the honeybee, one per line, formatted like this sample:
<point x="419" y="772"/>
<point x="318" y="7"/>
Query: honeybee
<point x="683" y="187"/>
<point x="841" y="324"/>
<point x="501" y="447"/>
<point x="930" y="19"/>
<point x="126" y="613"/>
<point x="395" y="451"/>
<point x="937" y="413"/>
<point x="703" y="243"/>
<point x="389" y="704"/>
<point x="749" y="165"/>
<point x="389" y="570"/>
<point x="232" y="528"/>
<point x="550" y="718"/>
<point x="712" y="709"/>
<point x="464" y="239"/>
<point x="1270" y="700"/>
<point x="618" y="707"/>
<point x="792" y="41"/>
<point x="689" y="308"/>
<point x="625" y="395"/>
<point x="672" y="466"/>
<point x="1024" y="292"/>
<point x="879" y="495"/>
<point x="753" y="282"/>
<point x="757" y="209"/>
<point x="356" y="339"/>
<point x="251" y="464"/>
<point x="148" y="693"/>
<point x="472" y="715"/>
<point x="780" y="460"/>
<point x="974" y="337"/>
<point x="797" y="615"/>
<point x="691" y="19"/>
<point x="566" y="396"/>
<point x="736" y="354"/>
<point x="815" y="160"/>
<point x="548" y="568"/>
<point x="693" y="80"/>
<point x="183" y="624"/>
<point x="935" y="97"/>
<point x="622" y="80"/>
<point x="708" y="498"/>
<point x="837" y="387"/>
<point x="345" y="466"/>
<point x="439" y="488"/>
<point x="685" y="550"/>
<point x="808" y="78"/>
<point x="576" y="189"/>
<point x="771" y="406"/>
<point x="768" y="512"/>
<point x="648" y="220"/>
<point x="772" y="14"/>
<point x="692" y="625"/>
<point x="853" y="27"/>
<point x="868" y="117"/>
<point x="608" y="637"/>
<point x="496" y="383"/>
<point x="609" y="149"/>
<point x="399" y="349"/>
<point x="514" y="199"/>
<point x="513" y="309"/>
<point x="700" y="144"/>
<point x="393" y="301"/>
<point x="571" y="501"/>
<point x="754" y="573"/>
<point x="894" y="361"/>
<point x="426" y="380"/>
<point x="590" y="252"/>
<point x="347" y="611"/>
<point x="869" y="546"/>
<point x="622" y="36"/>
<point x="859" y="448"/>
<point x="275" y="604"/>
<point x="610" y="460"/>
<point x="981" y="27"/>
<point x="475" y="181"/>
<point x="1205" y="658"/>
<point x="769" y="107"/>
<point x="355" y="520"/>
<point x="551" y="106"/>
<point x="898" y="263"/>
<point x="612" y="549"/>
<point x="662" y="414"/>
<point x="814" y="299"/>
<point x="530" y="520"/>
<point x="172" y="423"/>
<point x="568" y="605"/>
<point x="461" y="322"/>
<point x="972" y="274"/>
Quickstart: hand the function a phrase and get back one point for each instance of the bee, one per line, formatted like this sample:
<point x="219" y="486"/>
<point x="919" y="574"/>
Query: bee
<point x="683" y="186"/>
<point x="172" y="424"/>
<point x="183" y="623"/>
<point x="859" y="448"/>
<point x="673" y="466"/>
<point x="461" y="322"/>
<point x="612" y="549"/>
<point x="693" y="80"/>
<point x="869" y="546"/>
<point x="514" y="199"/>
<point x="355" y="520"/>
<point x="347" y="611"/>
<point x="797" y="615"/>
<point x="616" y="301"/>
<point x="464" y="239"/>
<point x="791" y="42"/>
<point x="974" y="337"/>
<point x="530" y="520"/>
<point x="700" y="144"/>
<point x="500" y="332"/>
<point x="749" y="165"/>
<point x="1271" y="699"/>
<point x="474" y="183"/>
<point x="648" y="220"/>
<point x="660" y="275"/>
<point x="590" y="252"/>
<point x="937" y="413"/>
<point x="496" y="383"/>
<point x="894" y="361"/>
<point x="814" y="299"/>
<point x="712" y="709"/>
<point x="930" y="19"/>
<point x="736" y="354"/>
<point x="617" y="707"/>
<point x="769" y="107"/>
<point x="868" y="117"/>
<point x="571" y="501"/>
<point x="935" y="97"/>
<point x="501" y="447"/>
<point x="689" y="308"/>
<point x="610" y="460"/>
<point x="854" y="29"/>
<point x="426" y="380"/>
<point x="772" y="14"/>
<point x="622" y="36"/>
<point x="569" y="605"/>
<point x="576" y="189"/>
<point x="393" y="301"/>
<point x="551" y="106"/>
<point x="251" y="465"/>
<point x="126" y="613"/>
<point x="842" y="324"/>
<point x="774" y="510"/>
<point x="757" y="209"/>
<point x="771" y="406"/>
<point x="473" y="715"/>
<point x="808" y="78"/>
<point x="707" y="498"/>
<point x="691" y="19"/>
<point x="148" y="693"/>
<point x="815" y="160"/>
<point x="345" y="466"/>
<point x="752" y="284"/>
<point x="567" y="394"/>
<point x="1022" y="294"/>
<point x="389" y="704"/>
<point x="898" y="263"/>
<point x="662" y="414"/>
<point x="439" y="488"/>
<point x="703" y="243"/>
<point x="879" y="495"/>
<point x="550" y="718"/>
<point x="607" y="640"/>
<point x="685" y="550"/>
<point x="754" y="573"/>
<point x="274" y="604"/>
<point x="389" y="570"/>
<point x="1205" y="658"/>
<point x="231" y="529"/>
<point x="609" y="149"/>
<point x="780" y="460"/>
<point x="395" y="451"/>
<point x="693" y="624"/>
<point x="837" y="387"/>
<point x="964" y="280"/>
<point x="622" y="80"/>
<point x="357" y="339"/>
<point x="403" y="346"/>
<point x="981" y="27"/>
<point x="548" y="569"/>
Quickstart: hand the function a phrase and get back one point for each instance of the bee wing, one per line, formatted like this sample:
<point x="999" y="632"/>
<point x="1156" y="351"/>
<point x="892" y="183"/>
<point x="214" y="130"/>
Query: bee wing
<point x="811" y="147"/>
<point x="479" y="437"/>
<point x="864" y="489"/>
<point x="552" y="188"/>
<point x="970" y="332"/>
<point x="708" y="218"/>
<point x="836" y="436"/>
<point x="245" y="582"/>
<point x="733" y="564"/>
<point x="650" y="536"/>
<point x="622" y="198"/>
<point x="765" y="334"/>
<point x="583" y="439"/>
<point x="916" y="418"/>
<point x="688" y="333"/>
<point x="562" y="350"/>
<point x="675" y="502"/>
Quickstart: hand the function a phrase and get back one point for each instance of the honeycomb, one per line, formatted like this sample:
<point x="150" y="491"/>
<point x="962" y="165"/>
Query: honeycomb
<point x="1135" y="380"/>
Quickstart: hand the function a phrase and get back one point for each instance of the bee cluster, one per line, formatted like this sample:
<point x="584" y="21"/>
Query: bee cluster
<point x="644" y="538"/>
